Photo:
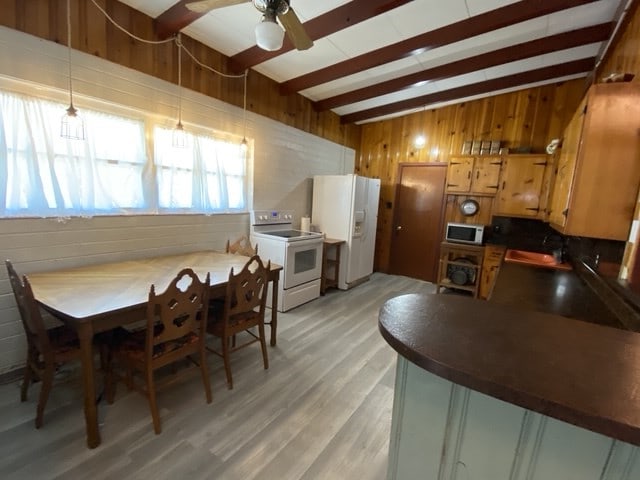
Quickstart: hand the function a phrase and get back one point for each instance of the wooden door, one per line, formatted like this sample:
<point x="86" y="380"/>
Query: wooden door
<point x="566" y="168"/>
<point x="459" y="174"/>
<point x="418" y="219"/>
<point x="486" y="174"/>
<point x="521" y="187"/>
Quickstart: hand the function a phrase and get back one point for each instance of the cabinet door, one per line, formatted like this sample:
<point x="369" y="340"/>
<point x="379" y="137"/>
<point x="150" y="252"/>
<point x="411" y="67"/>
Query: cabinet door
<point x="559" y="204"/>
<point x="486" y="174"/>
<point x="459" y="174"/>
<point x="521" y="185"/>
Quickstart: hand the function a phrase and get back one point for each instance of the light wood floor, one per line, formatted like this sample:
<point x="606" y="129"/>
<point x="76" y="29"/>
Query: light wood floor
<point x="321" y="411"/>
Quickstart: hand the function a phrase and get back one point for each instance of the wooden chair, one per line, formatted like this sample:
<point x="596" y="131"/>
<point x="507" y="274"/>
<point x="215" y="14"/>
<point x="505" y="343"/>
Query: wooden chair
<point x="242" y="310"/>
<point x="175" y="329"/>
<point x="47" y="349"/>
<point x="241" y="246"/>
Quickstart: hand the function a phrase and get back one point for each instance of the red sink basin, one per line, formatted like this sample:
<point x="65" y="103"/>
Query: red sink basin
<point x="535" y="259"/>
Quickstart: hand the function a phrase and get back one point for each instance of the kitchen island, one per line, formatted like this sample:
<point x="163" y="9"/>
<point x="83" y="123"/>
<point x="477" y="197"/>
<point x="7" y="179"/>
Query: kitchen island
<point x="493" y="392"/>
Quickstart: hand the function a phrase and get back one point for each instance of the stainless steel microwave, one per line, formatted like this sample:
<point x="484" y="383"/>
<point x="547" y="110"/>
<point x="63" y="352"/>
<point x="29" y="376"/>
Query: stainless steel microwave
<point x="464" y="233"/>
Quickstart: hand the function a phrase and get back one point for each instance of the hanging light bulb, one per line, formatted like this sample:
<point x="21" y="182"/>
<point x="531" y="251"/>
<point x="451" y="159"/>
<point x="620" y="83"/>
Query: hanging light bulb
<point x="71" y="124"/>
<point x="269" y="35"/>
<point x="179" y="136"/>
<point x="244" y="145"/>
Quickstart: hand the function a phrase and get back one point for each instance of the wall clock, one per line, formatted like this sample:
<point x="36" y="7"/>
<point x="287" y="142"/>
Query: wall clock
<point x="469" y="207"/>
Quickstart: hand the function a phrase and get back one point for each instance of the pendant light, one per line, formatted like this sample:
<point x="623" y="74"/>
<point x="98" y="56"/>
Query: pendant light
<point x="71" y="124"/>
<point x="244" y="145"/>
<point x="179" y="138"/>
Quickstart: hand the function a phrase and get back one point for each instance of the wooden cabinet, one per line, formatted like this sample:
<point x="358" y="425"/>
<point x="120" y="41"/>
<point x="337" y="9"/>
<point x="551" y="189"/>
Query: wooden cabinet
<point x="522" y="186"/>
<point x="473" y="174"/>
<point x="460" y="267"/>
<point x="491" y="263"/>
<point x="331" y="249"/>
<point x="598" y="173"/>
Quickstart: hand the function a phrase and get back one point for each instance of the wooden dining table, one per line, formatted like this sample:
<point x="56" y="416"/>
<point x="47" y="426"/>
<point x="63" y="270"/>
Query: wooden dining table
<point x="97" y="298"/>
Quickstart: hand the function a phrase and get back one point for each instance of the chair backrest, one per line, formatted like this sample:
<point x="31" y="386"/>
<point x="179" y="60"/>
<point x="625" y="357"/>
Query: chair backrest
<point x="247" y="292"/>
<point x="34" y="328"/>
<point x="241" y="246"/>
<point x="178" y="312"/>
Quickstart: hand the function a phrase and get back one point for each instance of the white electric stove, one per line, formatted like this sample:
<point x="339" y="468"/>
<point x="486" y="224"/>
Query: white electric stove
<point x="299" y="253"/>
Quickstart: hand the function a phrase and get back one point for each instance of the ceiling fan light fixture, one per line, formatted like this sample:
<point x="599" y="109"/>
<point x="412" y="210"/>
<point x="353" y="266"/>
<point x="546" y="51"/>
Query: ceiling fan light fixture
<point x="269" y="35"/>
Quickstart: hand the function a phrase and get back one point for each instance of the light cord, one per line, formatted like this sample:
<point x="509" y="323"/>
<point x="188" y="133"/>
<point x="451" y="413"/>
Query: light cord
<point x="179" y="44"/>
<point x="157" y="42"/>
<point x="69" y="52"/>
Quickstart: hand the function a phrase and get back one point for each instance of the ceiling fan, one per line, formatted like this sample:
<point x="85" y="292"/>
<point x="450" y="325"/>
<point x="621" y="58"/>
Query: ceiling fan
<point x="269" y="35"/>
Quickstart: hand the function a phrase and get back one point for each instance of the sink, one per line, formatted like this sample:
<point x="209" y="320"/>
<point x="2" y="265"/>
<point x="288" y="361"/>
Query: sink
<point x="535" y="259"/>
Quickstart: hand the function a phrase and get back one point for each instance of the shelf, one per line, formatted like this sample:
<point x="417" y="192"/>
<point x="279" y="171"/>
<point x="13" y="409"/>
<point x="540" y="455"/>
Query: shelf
<point x="330" y="266"/>
<point x="451" y="255"/>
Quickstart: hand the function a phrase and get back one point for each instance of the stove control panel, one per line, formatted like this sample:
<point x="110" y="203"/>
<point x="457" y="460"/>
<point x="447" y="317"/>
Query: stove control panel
<point x="271" y="217"/>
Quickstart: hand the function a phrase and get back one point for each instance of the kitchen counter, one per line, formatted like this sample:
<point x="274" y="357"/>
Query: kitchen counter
<point x="475" y="370"/>
<point x="551" y="291"/>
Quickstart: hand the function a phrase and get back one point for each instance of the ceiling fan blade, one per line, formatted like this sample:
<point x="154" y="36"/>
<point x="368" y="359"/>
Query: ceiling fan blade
<point x="206" y="5"/>
<point x="295" y="30"/>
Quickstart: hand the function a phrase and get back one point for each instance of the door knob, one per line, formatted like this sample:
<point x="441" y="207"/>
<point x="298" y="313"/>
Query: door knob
<point x="398" y="228"/>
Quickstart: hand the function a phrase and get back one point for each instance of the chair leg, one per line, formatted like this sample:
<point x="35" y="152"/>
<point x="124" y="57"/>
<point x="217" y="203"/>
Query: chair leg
<point x="26" y="382"/>
<point x="45" y="389"/>
<point x="227" y="362"/>
<point x="263" y="345"/>
<point x="153" y="405"/>
<point x="205" y="373"/>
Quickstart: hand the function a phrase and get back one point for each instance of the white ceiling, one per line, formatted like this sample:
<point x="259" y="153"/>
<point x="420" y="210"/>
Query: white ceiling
<point x="229" y="30"/>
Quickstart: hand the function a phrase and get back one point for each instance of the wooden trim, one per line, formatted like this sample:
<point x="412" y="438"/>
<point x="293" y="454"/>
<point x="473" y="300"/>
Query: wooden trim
<point x="455" y="32"/>
<point x="539" y="75"/>
<point x="561" y="41"/>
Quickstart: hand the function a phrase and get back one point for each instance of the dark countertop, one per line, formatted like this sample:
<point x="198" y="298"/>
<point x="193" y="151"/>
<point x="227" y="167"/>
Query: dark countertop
<point x="578" y="372"/>
<point x="551" y="291"/>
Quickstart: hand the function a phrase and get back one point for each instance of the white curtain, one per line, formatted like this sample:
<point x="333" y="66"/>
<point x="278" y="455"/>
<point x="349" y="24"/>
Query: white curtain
<point x="110" y="172"/>
<point x="207" y="175"/>
<point x="44" y="174"/>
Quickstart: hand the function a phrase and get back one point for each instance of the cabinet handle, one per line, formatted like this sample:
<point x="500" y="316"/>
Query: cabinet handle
<point x="492" y="186"/>
<point x="495" y="163"/>
<point x="537" y="209"/>
<point x="469" y="175"/>
<point x="452" y="185"/>
<point x="541" y="163"/>
<point x="504" y="182"/>
<point x="455" y="163"/>
<point x="565" y="212"/>
<point x="477" y="174"/>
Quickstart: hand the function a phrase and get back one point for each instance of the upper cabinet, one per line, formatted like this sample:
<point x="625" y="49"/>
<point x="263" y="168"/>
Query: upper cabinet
<point x="521" y="191"/>
<point x="469" y="174"/>
<point x="598" y="172"/>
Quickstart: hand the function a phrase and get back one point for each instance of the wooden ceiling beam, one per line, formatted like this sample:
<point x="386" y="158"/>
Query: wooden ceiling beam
<point x="174" y="19"/>
<point x="455" y="32"/>
<point x="561" y="41"/>
<point x="321" y="26"/>
<point x="584" y="65"/>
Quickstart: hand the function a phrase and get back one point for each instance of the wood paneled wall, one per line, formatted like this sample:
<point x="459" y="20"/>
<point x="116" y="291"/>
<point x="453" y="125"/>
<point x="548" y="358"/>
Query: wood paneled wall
<point x="94" y="34"/>
<point x="527" y="118"/>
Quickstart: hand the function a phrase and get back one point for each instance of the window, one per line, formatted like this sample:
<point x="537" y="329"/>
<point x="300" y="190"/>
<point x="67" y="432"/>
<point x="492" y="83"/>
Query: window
<point x="111" y="172"/>
<point x="208" y="175"/>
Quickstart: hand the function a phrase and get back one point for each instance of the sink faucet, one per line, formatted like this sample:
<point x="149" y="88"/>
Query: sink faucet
<point x="561" y="243"/>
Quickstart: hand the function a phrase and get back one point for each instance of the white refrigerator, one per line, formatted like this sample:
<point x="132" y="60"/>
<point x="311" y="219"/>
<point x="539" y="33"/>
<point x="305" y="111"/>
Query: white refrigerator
<point x="345" y="207"/>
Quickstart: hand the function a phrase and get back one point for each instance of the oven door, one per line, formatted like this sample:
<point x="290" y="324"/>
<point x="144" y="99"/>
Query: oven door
<point x="303" y="262"/>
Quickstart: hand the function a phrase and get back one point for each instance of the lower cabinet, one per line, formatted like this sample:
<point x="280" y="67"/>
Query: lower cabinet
<point x="440" y="429"/>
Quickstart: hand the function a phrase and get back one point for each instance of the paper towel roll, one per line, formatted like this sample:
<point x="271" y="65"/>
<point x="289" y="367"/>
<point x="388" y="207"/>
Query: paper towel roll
<point x="305" y="224"/>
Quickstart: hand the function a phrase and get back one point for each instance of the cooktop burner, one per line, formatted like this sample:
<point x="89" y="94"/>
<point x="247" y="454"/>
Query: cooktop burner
<point x="291" y="234"/>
